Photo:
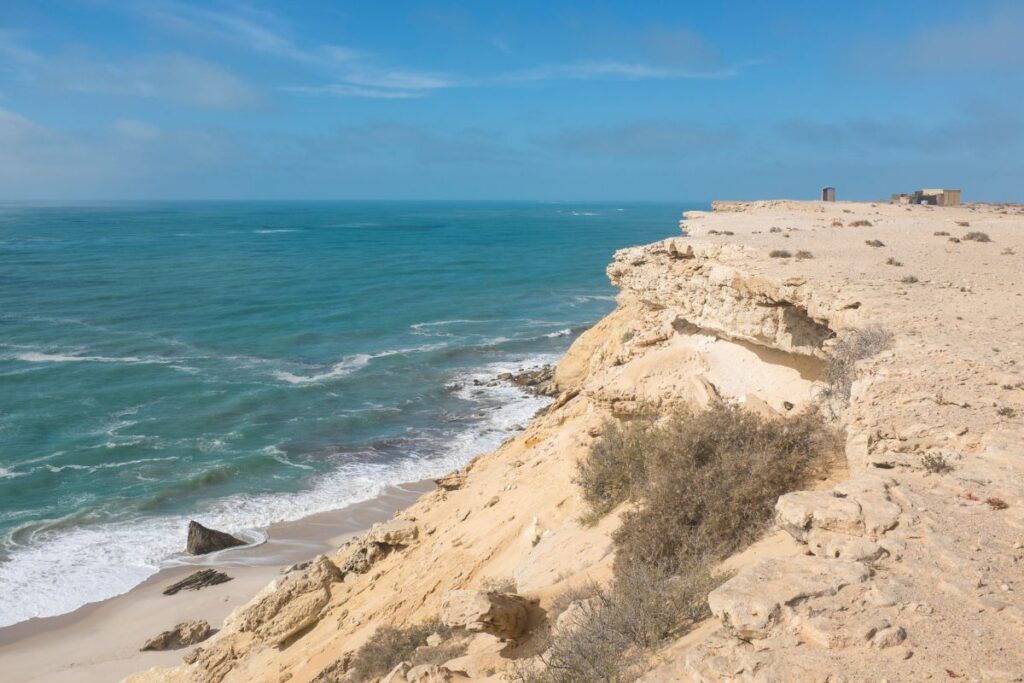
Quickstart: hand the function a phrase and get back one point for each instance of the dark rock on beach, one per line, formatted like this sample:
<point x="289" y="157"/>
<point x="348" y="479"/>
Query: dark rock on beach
<point x="539" y="381"/>
<point x="202" y="540"/>
<point x="197" y="580"/>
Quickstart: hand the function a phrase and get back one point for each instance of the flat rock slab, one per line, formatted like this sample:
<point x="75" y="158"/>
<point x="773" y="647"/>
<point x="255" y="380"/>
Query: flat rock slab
<point x="751" y="603"/>
<point x="197" y="580"/>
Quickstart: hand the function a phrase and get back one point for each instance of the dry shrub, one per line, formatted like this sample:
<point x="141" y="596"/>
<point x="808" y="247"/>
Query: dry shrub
<point x="614" y="468"/>
<point x="909" y="279"/>
<point x="963" y="224"/>
<point x="391" y="645"/>
<point x="860" y="224"/>
<point x="874" y="243"/>
<point x="712" y="479"/>
<point x="976" y="236"/>
<point x="955" y="240"/>
<point x="804" y="254"/>
<point x="856" y="345"/>
<point x="775" y="229"/>
<point x="891" y="261"/>
<point x="837" y="223"/>
<point x="936" y="463"/>
<point x="704" y="484"/>
<point x="779" y="253"/>
<point x="611" y="630"/>
<point x="941" y="233"/>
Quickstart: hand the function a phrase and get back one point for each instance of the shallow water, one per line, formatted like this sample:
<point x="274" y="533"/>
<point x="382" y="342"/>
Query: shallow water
<point x="246" y="363"/>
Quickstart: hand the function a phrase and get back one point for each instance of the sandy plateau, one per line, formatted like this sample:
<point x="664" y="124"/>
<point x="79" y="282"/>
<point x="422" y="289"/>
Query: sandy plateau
<point x="887" y="571"/>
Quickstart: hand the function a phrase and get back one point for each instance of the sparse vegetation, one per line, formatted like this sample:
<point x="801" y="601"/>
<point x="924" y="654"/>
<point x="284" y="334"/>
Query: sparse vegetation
<point x="499" y="584"/>
<point x="837" y="223"/>
<point x="391" y="645"/>
<point x="997" y="503"/>
<point x="804" y="254"/>
<point x="936" y="463"/>
<point x="941" y="233"/>
<point x="856" y="345"/>
<point x="703" y="485"/>
<point x="891" y="261"/>
<point x="775" y="229"/>
<point x="955" y="239"/>
<point x="1008" y="252"/>
<point x="606" y="636"/>
<point x="963" y="224"/>
<point x="862" y="223"/>
<point x="1006" y="411"/>
<point x="975" y="236"/>
<point x="779" y="253"/>
<point x="909" y="279"/>
<point x="874" y="243"/>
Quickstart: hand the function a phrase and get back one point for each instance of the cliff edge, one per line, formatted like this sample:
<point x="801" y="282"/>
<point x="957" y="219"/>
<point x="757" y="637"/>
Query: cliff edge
<point x="904" y="565"/>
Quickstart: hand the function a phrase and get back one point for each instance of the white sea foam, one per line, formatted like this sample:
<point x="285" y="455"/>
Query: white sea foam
<point x="560" y="333"/>
<point x="348" y="365"/>
<point x="274" y="231"/>
<point x="100" y="561"/>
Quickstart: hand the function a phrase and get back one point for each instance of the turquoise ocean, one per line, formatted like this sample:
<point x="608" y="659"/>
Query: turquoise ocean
<point x="249" y="363"/>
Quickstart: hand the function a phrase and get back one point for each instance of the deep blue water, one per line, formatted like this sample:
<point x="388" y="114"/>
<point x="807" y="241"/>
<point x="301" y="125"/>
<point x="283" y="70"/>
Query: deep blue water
<point x="245" y="363"/>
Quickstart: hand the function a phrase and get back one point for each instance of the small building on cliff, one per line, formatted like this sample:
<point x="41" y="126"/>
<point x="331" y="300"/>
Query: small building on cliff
<point x="828" y="194"/>
<point x="931" y="197"/>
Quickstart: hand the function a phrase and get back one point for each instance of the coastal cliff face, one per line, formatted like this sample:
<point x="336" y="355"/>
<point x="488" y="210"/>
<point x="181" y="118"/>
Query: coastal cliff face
<point x="894" y="568"/>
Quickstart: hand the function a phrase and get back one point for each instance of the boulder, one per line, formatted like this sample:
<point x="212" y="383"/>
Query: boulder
<point x="751" y="603"/>
<point x="202" y="540"/>
<point x="798" y="512"/>
<point x="505" y="615"/>
<point x="296" y="604"/>
<point x="452" y="481"/>
<point x="184" y="634"/>
<point x="394" y="533"/>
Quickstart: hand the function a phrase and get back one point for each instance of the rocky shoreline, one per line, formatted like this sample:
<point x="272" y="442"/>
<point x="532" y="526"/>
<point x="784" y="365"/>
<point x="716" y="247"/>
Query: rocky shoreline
<point x="914" y="540"/>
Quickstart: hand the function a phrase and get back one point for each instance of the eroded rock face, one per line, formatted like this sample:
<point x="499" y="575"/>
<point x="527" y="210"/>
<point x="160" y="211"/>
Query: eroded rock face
<point x="203" y="540"/>
<point x="505" y="615"/>
<point x="296" y="604"/>
<point x="751" y="603"/>
<point x="184" y="634"/>
<point x="378" y="542"/>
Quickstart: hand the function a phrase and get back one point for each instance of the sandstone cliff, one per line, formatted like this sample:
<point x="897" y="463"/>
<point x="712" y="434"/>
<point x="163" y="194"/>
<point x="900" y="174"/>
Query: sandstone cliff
<point x="899" y="568"/>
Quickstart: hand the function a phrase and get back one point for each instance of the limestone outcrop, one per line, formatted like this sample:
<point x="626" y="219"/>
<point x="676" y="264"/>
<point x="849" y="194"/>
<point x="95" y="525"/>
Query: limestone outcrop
<point x="503" y="615"/>
<point x="184" y="634"/>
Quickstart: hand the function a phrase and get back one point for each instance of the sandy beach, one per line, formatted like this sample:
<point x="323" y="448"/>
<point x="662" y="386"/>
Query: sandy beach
<point x="99" y="643"/>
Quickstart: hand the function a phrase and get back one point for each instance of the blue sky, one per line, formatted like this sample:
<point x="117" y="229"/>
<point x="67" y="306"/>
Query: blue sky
<point x="167" y="99"/>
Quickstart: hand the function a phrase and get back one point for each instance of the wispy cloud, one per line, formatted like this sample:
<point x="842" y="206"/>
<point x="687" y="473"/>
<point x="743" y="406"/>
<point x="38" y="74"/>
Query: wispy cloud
<point x="176" y="78"/>
<point x="987" y="43"/>
<point x="613" y="70"/>
<point x="15" y="57"/>
<point x="644" y="140"/>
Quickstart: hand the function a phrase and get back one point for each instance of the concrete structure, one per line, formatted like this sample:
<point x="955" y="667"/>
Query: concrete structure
<point x="828" y="194"/>
<point x="932" y="197"/>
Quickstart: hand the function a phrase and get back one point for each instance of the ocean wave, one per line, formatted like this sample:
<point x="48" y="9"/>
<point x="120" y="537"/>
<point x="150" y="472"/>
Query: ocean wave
<point x="583" y="298"/>
<point x="274" y="231"/>
<point x="350" y="364"/>
<point x="39" y="357"/>
<point x="99" y="561"/>
<point x="106" y="465"/>
<point x="560" y="333"/>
